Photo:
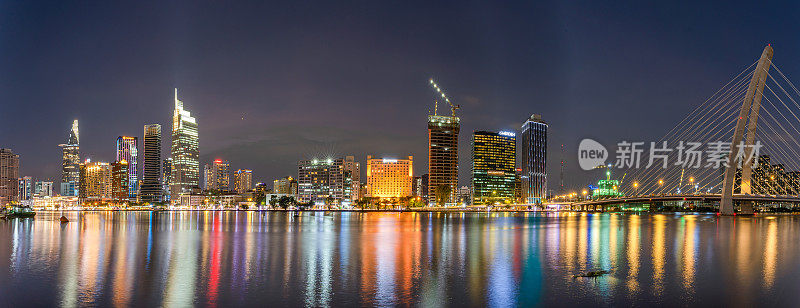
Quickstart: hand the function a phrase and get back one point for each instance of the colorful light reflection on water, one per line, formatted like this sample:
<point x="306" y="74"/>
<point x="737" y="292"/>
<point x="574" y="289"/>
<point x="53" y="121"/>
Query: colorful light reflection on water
<point x="218" y="258"/>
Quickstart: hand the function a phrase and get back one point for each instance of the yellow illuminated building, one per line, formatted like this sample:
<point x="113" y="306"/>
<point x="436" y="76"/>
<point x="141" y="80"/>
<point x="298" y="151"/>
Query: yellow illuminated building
<point x="389" y="178"/>
<point x="95" y="181"/>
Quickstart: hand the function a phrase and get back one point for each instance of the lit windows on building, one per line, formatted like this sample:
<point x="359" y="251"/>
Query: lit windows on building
<point x="70" y="157"/>
<point x="185" y="152"/>
<point x="534" y="160"/>
<point x="217" y="175"/>
<point x="389" y="178"/>
<point x="95" y="181"/>
<point x="443" y="153"/>
<point x="127" y="150"/>
<point x="243" y="180"/>
<point x="324" y="182"/>
<point x="151" y="172"/>
<point x="119" y="181"/>
<point x="493" y="167"/>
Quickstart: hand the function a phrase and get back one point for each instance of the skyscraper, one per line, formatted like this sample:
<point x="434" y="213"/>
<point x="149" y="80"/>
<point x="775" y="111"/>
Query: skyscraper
<point x="389" y="178"/>
<point x="494" y="158"/>
<point x="151" y="183"/>
<point x="70" y="161"/>
<point x="9" y="174"/>
<point x="185" y="151"/>
<point x="119" y="181"/>
<point x="354" y="168"/>
<point x="26" y="187"/>
<point x="95" y="181"/>
<point x="217" y="175"/>
<point x="128" y="151"/>
<point x="534" y="159"/>
<point x="443" y="154"/>
<point x="166" y="178"/>
<point x="285" y="185"/>
<point x="324" y="182"/>
<point x="243" y="180"/>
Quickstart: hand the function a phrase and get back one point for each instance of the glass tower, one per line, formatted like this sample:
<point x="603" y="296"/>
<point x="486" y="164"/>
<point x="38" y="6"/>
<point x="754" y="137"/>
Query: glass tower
<point x="70" y="162"/>
<point x="127" y="151"/>
<point x="151" y="171"/>
<point x="185" y="151"/>
<point x="534" y="160"/>
<point x="494" y="157"/>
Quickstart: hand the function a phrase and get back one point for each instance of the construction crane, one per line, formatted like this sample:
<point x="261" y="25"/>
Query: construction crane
<point x="439" y="91"/>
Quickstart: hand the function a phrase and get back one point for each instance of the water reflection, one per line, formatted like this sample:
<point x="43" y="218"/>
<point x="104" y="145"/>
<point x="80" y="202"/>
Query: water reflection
<point x="216" y="258"/>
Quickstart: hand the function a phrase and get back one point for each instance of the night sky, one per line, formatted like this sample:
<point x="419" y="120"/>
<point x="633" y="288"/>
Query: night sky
<point x="271" y="84"/>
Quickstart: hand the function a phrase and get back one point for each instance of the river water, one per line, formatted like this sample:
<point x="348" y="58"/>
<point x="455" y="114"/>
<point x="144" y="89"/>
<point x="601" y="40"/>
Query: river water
<point x="227" y="259"/>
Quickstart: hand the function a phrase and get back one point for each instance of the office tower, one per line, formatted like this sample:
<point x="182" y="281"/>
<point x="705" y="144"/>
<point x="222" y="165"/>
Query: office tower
<point x="518" y="186"/>
<point x="151" y="171"/>
<point x="70" y="161"/>
<point x="285" y="185"/>
<point x="443" y="153"/>
<point x="26" y="187"/>
<point x="494" y="157"/>
<point x="324" y="182"/>
<point x="243" y="180"/>
<point x="389" y="178"/>
<point x="185" y="152"/>
<point x="217" y="175"/>
<point x="120" y="176"/>
<point x="208" y="177"/>
<point x="260" y="193"/>
<point x="534" y="160"/>
<point x="127" y="150"/>
<point x="9" y="177"/>
<point x="354" y="168"/>
<point x="95" y="181"/>
<point x="166" y="178"/>
<point x="43" y="189"/>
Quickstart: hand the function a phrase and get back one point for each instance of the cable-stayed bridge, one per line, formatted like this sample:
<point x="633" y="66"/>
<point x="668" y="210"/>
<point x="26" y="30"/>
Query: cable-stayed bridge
<point x="738" y="149"/>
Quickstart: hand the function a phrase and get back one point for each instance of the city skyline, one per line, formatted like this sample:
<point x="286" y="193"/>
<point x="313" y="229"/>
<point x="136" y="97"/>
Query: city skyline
<point x="249" y="109"/>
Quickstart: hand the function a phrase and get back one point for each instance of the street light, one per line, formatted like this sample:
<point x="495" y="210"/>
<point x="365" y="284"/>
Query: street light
<point x="661" y="184"/>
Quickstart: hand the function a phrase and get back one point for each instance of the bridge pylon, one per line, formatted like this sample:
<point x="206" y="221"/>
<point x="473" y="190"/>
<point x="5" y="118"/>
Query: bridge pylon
<point x="748" y="118"/>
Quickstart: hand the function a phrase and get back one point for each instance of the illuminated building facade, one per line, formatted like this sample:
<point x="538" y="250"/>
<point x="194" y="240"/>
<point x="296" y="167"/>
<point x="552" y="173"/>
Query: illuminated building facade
<point x="534" y="160"/>
<point x="443" y="153"/>
<point x="70" y="161"/>
<point x="217" y="175"/>
<point x="119" y="181"/>
<point x="243" y="180"/>
<point x="494" y="156"/>
<point x="166" y="179"/>
<point x="324" y="182"/>
<point x="43" y="189"/>
<point x="26" y="187"/>
<point x="351" y="166"/>
<point x="9" y="174"/>
<point x="151" y="172"/>
<point x="286" y="186"/>
<point x="185" y="152"/>
<point x="95" y="181"/>
<point x="389" y="178"/>
<point x="127" y="150"/>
